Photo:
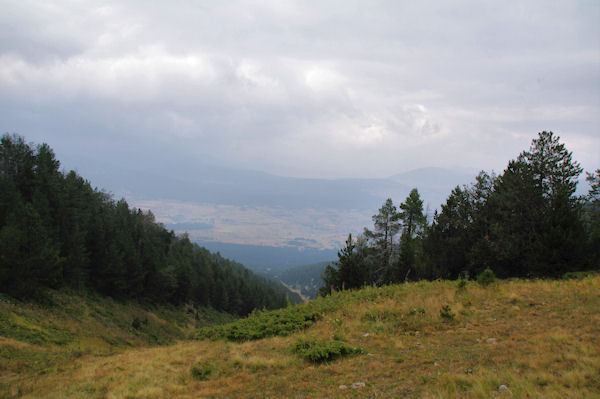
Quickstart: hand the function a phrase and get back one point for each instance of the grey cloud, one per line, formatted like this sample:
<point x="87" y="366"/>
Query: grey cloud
<point x="304" y="88"/>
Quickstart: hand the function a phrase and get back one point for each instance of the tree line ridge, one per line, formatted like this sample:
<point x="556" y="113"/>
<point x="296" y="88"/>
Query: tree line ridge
<point x="525" y="222"/>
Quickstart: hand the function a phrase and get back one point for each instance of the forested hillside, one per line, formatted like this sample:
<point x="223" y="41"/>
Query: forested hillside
<point x="305" y="278"/>
<point x="525" y="222"/>
<point x="58" y="231"/>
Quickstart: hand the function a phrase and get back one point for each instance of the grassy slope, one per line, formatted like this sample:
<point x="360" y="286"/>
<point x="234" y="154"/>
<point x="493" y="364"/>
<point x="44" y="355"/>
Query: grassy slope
<point x="545" y="343"/>
<point x="44" y="339"/>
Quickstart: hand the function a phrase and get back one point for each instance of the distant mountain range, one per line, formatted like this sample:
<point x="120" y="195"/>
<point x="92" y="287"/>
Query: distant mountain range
<point x="267" y="221"/>
<point x="204" y="183"/>
<point x="270" y="260"/>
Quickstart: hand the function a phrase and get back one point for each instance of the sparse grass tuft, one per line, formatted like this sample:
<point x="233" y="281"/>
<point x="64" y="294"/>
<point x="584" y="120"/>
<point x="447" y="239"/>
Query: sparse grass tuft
<point x="417" y="311"/>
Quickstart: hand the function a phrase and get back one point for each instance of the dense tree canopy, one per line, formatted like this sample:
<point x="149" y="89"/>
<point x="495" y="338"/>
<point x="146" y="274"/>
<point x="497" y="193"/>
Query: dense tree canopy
<point x="591" y="215"/>
<point x="414" y="222"/>
<point x="351" y="270"/>
<point x="375" y="257"/>
<point x="526" y="222"/>
<point x="56" y="230"/>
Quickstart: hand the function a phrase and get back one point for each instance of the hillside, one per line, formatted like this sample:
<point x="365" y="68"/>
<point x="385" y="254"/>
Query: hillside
<point x="304" y="278"/>
<point x="537" y="339"/>
<point x="44" y="338"/>
<point x="57" y="231"/>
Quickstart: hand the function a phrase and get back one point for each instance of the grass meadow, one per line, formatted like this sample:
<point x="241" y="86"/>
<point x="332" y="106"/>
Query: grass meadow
<point x="441" y="339"/>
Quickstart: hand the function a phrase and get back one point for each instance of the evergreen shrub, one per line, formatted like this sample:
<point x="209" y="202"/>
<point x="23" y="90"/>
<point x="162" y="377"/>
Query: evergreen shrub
<point x="486" y="277"/>
<point x="323" y="351"/>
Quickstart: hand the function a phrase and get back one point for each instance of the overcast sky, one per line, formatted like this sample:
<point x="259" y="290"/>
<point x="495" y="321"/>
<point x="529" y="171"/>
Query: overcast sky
<point x="301" y="88"/>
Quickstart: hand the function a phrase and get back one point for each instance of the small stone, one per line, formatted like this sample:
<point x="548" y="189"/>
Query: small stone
<point x="491" y="340"/>
<point x="366" y="335"/>
<point x="436" y="364"/>
<point x="356" y="385"/>
<point x="502" y="388"/>
<point x="342" y="387"/>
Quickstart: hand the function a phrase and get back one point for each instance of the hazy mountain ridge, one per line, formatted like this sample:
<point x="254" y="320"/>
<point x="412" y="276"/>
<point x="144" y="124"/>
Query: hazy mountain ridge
<point x="225" y="205"/>
<point x="270" y="260"/>
<point x="432" y="177"/>
<point x="204" y="183"/>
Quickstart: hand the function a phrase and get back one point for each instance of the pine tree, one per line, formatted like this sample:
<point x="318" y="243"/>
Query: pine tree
<point x="538" y="229"/>
<point x="414" y="223"/>
<point x="29" y="258"/>
<point x="481" y="254"/>
<point x="517" y="225"/>
<point x="591" y="216"/>
<point x="386" y="226"/>
<point x="17" y="163"/>
<point x="351" y="270"/>
<point x="448" y="239"/>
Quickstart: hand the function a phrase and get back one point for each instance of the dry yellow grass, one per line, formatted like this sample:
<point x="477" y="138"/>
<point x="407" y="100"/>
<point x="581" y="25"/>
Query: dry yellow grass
<point x="539" y="338"/>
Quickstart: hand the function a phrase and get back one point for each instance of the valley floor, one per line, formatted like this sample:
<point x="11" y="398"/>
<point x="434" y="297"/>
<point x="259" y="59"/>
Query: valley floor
<point x="538" y="339"/>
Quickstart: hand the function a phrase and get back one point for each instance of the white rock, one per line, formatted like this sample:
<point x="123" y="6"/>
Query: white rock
<point x="343" y="387"/>
<point x="366" y="335"/>
<point x="502" y="388"/>
<point x="356" y="385"/>
<point x="491" y="340"/>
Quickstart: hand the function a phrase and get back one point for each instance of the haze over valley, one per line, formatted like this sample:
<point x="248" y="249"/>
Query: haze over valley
<point x="225" y="205"/>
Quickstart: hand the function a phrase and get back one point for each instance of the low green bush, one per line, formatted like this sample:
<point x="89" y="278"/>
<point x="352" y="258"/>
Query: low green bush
<point x="201" y="371"/>
<point x="486" y="277"/>
<point x="261" y="324"/>
<point x="323" y="351"/>
<point x="446" y="313"/>
<point x="22" y="328"/>
<point x="579" y="275"/>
